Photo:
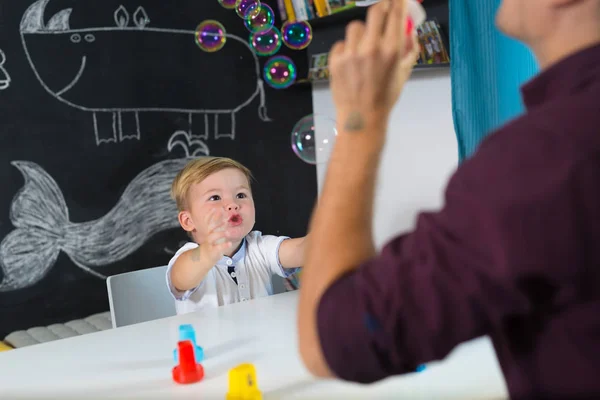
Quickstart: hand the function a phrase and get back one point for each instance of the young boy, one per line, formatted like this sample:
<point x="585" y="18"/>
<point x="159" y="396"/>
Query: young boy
<point x="227" y="262"/>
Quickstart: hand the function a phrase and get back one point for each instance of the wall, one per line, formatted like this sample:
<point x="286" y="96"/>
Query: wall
<point x="420" y="155"/>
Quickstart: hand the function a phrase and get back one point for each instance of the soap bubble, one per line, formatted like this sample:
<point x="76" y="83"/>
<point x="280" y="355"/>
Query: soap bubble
<point x="280" y="72"/>
<point x="266" y="43"/>
<point x="313" y="137"/>
<point x="228" y="4"/>
<point x="260" y="18"/>
<point x="247" y="8"/>
<point x="297" y="35"/>
<point x="210" y="35"/>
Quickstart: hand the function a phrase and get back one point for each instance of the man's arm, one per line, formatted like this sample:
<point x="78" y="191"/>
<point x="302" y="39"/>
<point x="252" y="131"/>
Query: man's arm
<point x="368" y="71"/>
<point x="292" y="252"/>
<point x="341" y="228"/>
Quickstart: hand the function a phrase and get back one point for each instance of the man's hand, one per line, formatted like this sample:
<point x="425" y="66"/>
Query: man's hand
<point x="369" y="68"/>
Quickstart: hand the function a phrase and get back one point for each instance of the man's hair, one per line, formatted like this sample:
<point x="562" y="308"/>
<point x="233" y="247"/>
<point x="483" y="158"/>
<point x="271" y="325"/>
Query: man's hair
<point x="198" y="170"/>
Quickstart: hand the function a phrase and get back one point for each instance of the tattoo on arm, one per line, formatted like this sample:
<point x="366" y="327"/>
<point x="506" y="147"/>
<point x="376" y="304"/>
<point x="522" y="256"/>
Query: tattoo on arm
<point x="355" y="122"/>
<point x="196" y="254"/>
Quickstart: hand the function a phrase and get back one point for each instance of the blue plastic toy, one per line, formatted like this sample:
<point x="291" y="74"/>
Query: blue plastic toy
<point x="186" y="332"/>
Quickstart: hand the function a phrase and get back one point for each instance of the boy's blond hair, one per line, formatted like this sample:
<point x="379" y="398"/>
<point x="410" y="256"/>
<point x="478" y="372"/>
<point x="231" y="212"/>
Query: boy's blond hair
<point x="198" y="170"/>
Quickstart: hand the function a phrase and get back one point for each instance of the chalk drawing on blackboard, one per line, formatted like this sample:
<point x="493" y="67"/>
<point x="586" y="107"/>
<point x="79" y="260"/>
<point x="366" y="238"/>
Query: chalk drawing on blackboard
<point x="171" y="251"/>
<point x="140" y="17"/>
<point x="4" y="76"/>
<point x="188" y="143"/>
<point x="40" y="216"/>
<point x="32" y="27"/>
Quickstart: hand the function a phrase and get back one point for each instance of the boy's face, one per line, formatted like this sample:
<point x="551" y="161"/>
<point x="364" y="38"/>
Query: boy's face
<point x="226" y="191"/>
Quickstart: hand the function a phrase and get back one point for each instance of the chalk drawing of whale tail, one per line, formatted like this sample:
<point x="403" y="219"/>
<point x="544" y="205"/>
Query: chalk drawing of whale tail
<point x="43" y="229"/>
<point x="40" y="215"/>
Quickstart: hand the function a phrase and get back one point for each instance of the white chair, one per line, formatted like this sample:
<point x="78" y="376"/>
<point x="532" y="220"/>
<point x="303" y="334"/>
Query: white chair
<point x="139" y="296"/>
<point x="278" y="285"/>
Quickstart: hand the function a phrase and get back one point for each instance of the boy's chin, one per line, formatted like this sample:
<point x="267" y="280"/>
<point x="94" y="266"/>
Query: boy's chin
<point x="237" y="233"/>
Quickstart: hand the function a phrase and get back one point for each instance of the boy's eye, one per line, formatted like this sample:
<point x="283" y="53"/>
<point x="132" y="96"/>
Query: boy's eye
<point x="215" y="197"/>
<point x="241" y="195"/>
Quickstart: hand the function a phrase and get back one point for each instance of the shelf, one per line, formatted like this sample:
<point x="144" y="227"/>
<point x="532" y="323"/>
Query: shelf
<point x="341" y="17"/>
<point x="360" y="12"/>
<point x="427" y="67"/>
<point x="416" y="69"/>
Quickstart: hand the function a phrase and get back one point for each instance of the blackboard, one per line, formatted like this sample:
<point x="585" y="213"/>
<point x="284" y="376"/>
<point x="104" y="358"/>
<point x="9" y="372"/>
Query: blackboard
<point x="101" y="103"/>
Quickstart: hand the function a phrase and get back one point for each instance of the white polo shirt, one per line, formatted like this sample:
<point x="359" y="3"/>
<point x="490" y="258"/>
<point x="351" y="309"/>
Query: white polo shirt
<point x="253" y="264"/>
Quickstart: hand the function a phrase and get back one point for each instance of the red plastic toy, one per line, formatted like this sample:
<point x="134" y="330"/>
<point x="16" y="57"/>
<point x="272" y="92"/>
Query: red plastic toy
<point x="188" y="371"/>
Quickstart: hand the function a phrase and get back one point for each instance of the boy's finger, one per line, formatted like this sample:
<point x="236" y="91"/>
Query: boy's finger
<point x="217" y="217"/>
<point x="209" y="216"/>
<point x="219" y="227"/>
<point x="217" y="234"/>
<point x="224" y="246"/>
<point x="219" y="241"/>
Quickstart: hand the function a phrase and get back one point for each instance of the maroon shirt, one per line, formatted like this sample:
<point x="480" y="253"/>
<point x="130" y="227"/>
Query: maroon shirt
<point x="513" y="254"/>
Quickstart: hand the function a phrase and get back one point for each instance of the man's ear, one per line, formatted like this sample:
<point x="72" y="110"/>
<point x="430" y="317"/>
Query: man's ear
<point x="186" y="222"/>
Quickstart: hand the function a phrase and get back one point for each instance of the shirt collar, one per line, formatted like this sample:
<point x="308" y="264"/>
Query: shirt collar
<point x="237" y="257"/>
<point x="565" y="77"/>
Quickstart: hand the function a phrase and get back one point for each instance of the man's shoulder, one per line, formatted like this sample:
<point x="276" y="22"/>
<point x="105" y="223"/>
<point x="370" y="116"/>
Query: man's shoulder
<point x="558" y="129"/>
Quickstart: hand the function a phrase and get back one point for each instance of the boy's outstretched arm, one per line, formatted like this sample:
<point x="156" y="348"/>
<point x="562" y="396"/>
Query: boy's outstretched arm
<point x="291" y="252"/>
<point x="189" y="269"/>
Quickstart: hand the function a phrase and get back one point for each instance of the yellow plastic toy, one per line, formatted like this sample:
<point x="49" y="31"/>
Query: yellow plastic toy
<point x="243" y="384"/>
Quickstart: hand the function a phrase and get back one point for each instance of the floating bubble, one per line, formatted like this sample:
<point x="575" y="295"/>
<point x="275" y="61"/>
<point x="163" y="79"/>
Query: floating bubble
<point x="280" y="72"/>
<point x="313" y="137"/>
<point x="266" y="43"/>
<point x="297" y="35"/>
<point x="247" y="8"/>
<point x="210" y="35"/>
<point x="228" y="4"/>
<point x="260" y="18"/>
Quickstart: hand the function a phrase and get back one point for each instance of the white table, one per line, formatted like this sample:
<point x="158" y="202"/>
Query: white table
<point x="136" y="362"/>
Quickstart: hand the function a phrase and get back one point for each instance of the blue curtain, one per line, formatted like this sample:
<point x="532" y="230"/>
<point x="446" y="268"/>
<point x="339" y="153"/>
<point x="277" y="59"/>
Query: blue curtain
<point x="487" y="70"/>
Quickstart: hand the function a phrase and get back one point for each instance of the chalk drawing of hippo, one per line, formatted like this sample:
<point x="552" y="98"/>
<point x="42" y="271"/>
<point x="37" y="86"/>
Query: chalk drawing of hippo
<point x="4" y="76"/>
<point x="98" y="70"/>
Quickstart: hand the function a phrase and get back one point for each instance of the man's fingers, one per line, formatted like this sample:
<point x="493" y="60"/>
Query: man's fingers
<point x="394" y="35"/>
<point x="354" y="34"/>
<point x="334" y="54"/>
<point x="337" y="49"/>
<point x="376" y="19"/>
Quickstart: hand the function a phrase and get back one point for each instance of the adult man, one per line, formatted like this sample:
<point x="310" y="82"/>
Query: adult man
<point x="512" y="254"/>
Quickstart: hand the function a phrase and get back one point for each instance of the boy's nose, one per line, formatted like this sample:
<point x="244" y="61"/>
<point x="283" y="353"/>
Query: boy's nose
<point x="232" y="207"/>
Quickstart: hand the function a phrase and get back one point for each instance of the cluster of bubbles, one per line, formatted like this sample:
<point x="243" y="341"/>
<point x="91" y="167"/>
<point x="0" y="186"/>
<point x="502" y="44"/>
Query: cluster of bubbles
<point x="265" y="38"/>
<point x="279" y="71"/>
